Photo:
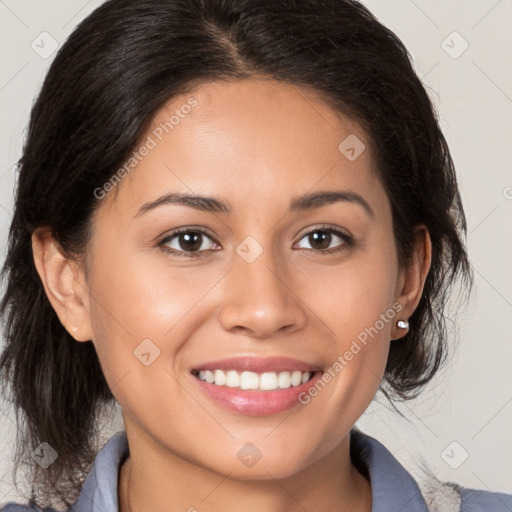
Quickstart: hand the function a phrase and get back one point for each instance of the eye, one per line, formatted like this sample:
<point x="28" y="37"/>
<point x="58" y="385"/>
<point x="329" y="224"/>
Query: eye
<point x="187" y="242"/>
<point x="321" y="238"/>
<point x="191" y="242"/>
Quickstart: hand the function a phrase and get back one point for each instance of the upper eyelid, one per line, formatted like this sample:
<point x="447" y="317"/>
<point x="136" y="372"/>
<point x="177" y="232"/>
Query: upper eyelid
<point x="326" y="227"/>
<point x="180" y="231"/>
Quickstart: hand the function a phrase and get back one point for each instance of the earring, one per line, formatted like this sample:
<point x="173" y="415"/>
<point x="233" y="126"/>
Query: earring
<point x="74" y="329"/>
<point x="403" y="324"/>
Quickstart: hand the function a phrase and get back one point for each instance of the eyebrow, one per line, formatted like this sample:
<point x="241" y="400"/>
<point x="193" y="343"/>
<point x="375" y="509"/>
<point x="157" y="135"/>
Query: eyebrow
<point x="210" y="204"/>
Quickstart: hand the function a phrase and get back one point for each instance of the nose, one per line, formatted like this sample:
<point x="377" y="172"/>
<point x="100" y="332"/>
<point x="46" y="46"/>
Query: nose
<point x="260" y="299"/>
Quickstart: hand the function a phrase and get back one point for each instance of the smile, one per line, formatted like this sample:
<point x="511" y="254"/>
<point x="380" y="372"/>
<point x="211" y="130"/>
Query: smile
<point x="246" y="380"/>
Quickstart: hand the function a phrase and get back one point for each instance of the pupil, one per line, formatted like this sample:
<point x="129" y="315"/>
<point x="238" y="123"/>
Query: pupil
<point x="322" y="238"/>
<point x="192" y="241"/>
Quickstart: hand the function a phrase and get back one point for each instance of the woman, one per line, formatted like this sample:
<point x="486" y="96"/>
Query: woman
<point x="239" y="220"/>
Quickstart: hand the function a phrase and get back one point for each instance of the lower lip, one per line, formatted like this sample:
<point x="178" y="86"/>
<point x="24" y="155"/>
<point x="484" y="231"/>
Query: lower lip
<point x="254" y="402"/>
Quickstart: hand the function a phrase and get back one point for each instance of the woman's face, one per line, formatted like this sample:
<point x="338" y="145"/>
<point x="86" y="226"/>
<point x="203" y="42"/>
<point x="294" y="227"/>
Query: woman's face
<point x="254" y="286"/>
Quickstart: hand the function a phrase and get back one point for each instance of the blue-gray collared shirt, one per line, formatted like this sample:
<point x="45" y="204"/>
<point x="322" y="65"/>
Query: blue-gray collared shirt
<point x="393" y="488"/>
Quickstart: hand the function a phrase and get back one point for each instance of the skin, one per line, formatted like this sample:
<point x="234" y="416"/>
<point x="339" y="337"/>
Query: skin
<point x="256" y="145"/>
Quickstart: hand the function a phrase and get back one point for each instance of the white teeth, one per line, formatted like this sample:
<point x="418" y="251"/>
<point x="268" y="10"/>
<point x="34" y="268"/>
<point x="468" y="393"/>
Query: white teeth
<point x="232" y="379"/>
<point x="284" y="380"/>
<point x="220" y="378"/>
<point x="268" y="381"/>
<point x="250" y="380"/>
<point x="296" y="378"/>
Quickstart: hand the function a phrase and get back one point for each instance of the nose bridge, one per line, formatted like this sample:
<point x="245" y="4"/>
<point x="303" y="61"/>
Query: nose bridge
<point x="259" y="298"/>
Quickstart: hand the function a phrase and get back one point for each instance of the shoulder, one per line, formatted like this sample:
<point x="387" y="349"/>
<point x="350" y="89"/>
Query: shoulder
<point x="473" y="500"/>
<point x="99" y="490"/>
<point x="449" y="496"/>
<point x="394" y="488"/>
<point x="16" y="507"/>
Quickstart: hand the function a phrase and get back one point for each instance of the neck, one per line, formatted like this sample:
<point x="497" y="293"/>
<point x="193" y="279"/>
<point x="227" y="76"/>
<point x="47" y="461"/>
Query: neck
<point x="161" y="481"/>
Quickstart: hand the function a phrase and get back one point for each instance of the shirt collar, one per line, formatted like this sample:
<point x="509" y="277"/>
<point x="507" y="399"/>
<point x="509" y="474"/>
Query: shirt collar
<point x="393" y="488"/>
<point x="99" y="490"/>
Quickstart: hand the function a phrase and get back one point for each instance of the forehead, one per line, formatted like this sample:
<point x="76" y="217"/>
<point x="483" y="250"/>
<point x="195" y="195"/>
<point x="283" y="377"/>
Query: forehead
<point x="251" y="142"/>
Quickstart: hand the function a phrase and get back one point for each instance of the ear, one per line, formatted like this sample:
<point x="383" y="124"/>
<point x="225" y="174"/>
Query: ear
<point x="64" y="284"/>
<point x="411" y="280"/>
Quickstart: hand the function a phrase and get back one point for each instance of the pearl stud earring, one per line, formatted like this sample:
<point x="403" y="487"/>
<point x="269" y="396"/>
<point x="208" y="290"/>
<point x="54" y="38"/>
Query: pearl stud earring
<point x="403" y="324"/>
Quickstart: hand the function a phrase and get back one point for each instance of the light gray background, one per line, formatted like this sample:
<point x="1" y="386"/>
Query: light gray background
<point x="470" y="403"/>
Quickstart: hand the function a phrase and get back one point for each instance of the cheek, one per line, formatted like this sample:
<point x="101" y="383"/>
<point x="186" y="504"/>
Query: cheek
<point x="139" y="308"/>
<point x="356" y="303"/>
<point x="139" y="296"/>
<point x="354" y="299"/>
<point x="369" y="314"/>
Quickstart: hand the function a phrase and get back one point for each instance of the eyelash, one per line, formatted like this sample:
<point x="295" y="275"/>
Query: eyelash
<point x="348" y="241"/>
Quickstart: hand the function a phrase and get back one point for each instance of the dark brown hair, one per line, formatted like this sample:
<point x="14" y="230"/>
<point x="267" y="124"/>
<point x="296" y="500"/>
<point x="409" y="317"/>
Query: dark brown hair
<point x="116" y="70"/>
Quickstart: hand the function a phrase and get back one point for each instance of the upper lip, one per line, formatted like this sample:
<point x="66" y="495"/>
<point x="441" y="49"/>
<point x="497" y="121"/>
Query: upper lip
<point x="258" y="365"/>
